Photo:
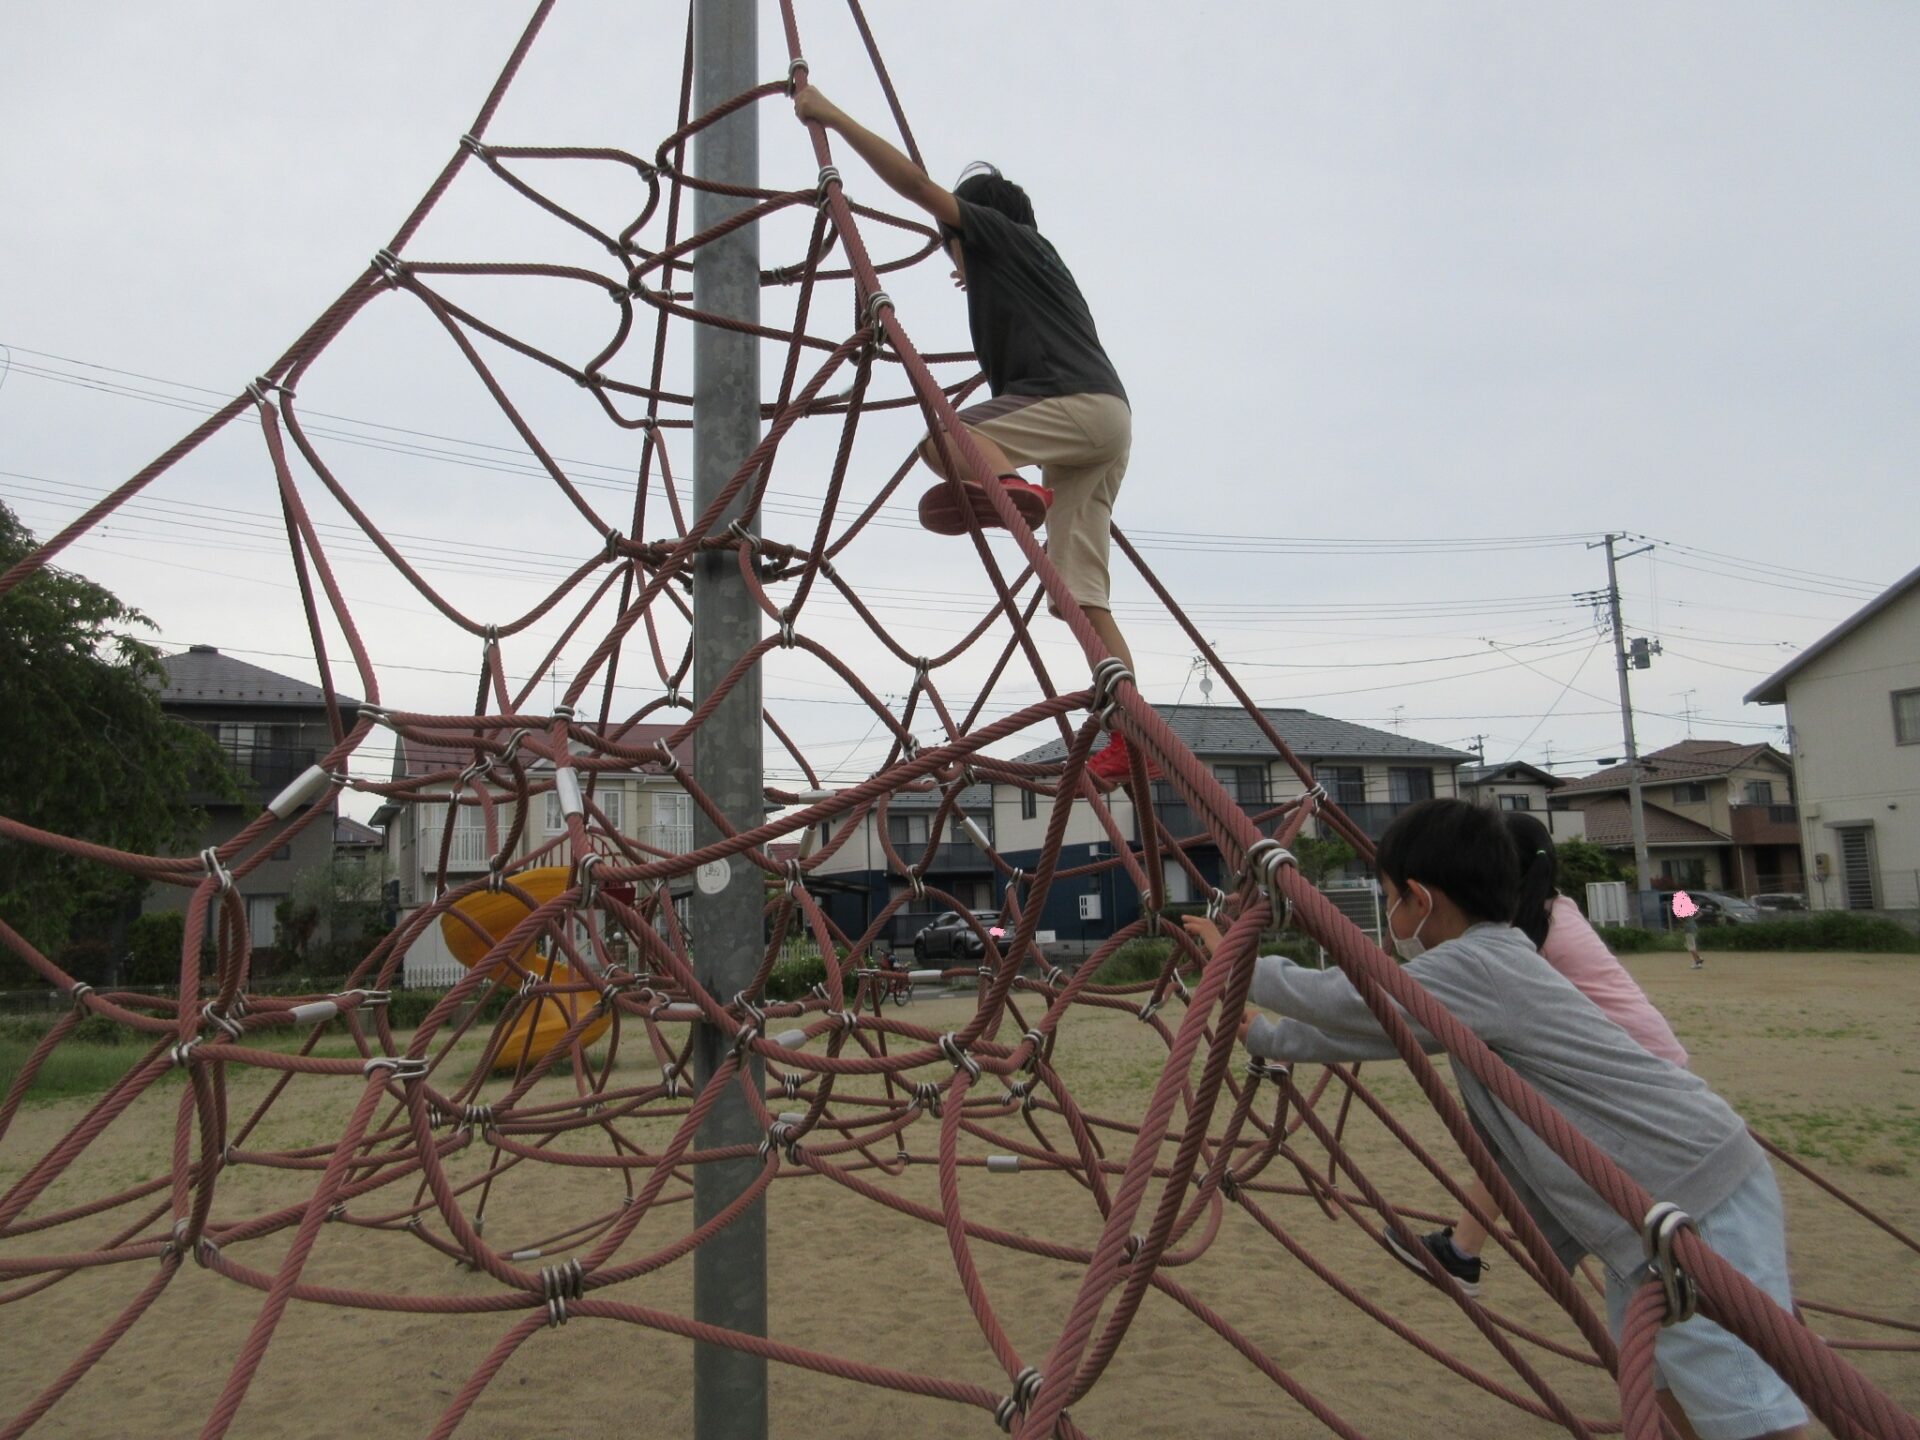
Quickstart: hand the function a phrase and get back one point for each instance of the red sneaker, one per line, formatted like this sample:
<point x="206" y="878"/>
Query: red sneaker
<point x="1114" y="765"/>
<point x="942" y="514"/>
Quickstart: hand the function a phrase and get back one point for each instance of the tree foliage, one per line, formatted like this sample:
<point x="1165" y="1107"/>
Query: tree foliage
<point x="1321" y="857"/>
<point x="89" y="752"/>
<point x="1583" y="863"/>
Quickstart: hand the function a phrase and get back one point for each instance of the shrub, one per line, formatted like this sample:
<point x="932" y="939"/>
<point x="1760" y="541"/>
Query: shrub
<point x="1825" y="930"/>
<point x="1134" y="962"/>
<point x="792" y="977"/>
<point x="1630" y="939"/>
<point x="153" y="949"/>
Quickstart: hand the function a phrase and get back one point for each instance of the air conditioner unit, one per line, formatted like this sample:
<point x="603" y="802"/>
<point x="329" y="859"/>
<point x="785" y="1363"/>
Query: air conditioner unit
<point x="1099" y="850"/>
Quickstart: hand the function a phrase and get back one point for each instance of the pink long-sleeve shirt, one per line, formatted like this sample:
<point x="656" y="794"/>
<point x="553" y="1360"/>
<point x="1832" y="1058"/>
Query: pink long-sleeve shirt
<point x="1576" y="950"/>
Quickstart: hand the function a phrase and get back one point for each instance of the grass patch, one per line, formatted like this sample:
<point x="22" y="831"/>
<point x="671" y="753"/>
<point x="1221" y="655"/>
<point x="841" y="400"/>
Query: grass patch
<point x="1879" y="1142"/>
<point x="76" y="1067"/>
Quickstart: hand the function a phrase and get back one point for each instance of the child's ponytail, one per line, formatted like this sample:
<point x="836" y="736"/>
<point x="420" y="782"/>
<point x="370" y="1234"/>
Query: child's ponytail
<point x="1539" y="870"/>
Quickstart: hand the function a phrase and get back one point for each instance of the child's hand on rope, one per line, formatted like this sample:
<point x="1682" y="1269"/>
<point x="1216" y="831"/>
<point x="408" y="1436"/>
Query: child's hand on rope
<point x="1247" y="1017"/>
<point x="811" y="104"/>
<point x="1205" y="933"/>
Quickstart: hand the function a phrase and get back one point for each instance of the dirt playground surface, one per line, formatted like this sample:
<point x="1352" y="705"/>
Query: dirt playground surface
<point x="1821" y="1053"/>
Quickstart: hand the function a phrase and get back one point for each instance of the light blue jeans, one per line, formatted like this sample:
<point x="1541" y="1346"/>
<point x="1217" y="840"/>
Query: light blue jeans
<point x="1728" y="1392"/>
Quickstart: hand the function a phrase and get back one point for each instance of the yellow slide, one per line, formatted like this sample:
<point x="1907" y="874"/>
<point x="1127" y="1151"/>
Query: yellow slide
<point x="552" y="1015"/>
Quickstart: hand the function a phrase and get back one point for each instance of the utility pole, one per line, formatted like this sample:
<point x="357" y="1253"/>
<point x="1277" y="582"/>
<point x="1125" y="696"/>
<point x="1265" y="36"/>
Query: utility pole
<point x="1642" y="867"/>
<point x="1480" y="747"/>
<point x="729" y="1270"/>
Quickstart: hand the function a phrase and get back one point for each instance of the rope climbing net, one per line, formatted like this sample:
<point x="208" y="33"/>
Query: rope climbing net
<point x="854" y="1095"/>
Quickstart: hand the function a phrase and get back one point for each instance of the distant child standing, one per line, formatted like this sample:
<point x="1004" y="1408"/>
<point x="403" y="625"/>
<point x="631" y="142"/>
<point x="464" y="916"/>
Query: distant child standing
<point x="1684" y="907"/>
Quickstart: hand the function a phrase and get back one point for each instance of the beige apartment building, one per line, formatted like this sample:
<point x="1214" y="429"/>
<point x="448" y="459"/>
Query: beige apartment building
<point x="1853" y="710"/>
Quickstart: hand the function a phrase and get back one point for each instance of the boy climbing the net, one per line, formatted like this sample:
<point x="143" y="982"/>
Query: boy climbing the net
<point x="1057" y="401"/>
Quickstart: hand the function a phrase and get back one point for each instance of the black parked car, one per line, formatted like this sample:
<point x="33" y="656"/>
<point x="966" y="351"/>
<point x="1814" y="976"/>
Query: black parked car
<point x="950" y="937"/>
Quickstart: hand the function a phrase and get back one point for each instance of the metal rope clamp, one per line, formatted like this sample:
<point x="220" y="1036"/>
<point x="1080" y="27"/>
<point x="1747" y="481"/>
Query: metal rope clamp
<point x="783" y="1136"/>
<point x="950" y="1047"/>
<point x="1264" y="859"/>
<point x="874" y="301"/>
<point x="794" y="67"/>
<point x="562" y="1282"/>
<point x="588" y="884"/>
<point x="210" y="857"/>
<point x="829" y="175"/>
<point x="1026" y="1385"/>
<point x="388" y="264"/>
<point x="927" y="1096"/>
<point x="1663" y="1222"/>
<point x="404" y="1068"/>
<point x="225" y="1024"/>
<point x="1107" y="674"/>
<point x="755" y="1026"/>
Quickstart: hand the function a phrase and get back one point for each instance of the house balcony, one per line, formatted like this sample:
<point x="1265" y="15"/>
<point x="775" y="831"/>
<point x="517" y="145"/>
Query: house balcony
<point x="952" y="858"/>
<point x="1765" y="825"/>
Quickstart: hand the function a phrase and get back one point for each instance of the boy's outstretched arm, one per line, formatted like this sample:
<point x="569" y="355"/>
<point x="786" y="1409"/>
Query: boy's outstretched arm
<point x="904" y="177"/>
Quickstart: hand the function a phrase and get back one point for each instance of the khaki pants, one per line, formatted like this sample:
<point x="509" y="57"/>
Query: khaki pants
<point x="1081" y="444"/>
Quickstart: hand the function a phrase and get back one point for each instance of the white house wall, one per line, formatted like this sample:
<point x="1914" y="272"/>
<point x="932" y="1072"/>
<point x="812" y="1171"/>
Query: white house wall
<point x="1850" y="769"/>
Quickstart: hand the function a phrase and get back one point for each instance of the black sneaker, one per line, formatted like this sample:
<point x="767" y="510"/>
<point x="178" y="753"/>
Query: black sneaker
<point x="1463" y="1268"/>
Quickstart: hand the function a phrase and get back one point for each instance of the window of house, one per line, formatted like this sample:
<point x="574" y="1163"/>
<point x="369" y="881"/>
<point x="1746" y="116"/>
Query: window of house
<point x="613" y="805"/>
<point x="1906" y="717"/>
<point x="907" y="829"/>
<point x="1346" y="784"/>
<point x="1683" y="874"/>
<point x="1690" y="794"/>
<point x="1759" y="792"/>
<point x="1247" y="784"/>
<point x="1405" y="786"/>
<point x="1029" y="804"/>
<point x="1516" y="802"/>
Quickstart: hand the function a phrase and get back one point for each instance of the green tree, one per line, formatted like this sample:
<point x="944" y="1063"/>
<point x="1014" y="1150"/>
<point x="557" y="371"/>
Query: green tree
<point x="90" y="755"/>
<point x="1321" y="856"/>
<point x="1582" y="863"/>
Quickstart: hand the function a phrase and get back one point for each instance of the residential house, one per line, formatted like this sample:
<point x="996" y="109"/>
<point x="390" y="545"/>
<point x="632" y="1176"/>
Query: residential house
<point x="272" y="729"/>
<point x="1371" y="774"/>
<point x="1853" y="710"/>
<point x="1719" y="815"/>
<point x="649" y="808"/>
<point x="854" y="882"/>
<point x="1516" y="785"/>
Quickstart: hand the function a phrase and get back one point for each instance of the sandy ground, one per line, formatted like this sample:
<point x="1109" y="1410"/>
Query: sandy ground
<point x="1819" y="1051"/>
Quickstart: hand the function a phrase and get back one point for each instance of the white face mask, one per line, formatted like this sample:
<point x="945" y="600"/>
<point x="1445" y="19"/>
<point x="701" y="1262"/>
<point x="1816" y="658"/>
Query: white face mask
<point x="1411" y="947"/>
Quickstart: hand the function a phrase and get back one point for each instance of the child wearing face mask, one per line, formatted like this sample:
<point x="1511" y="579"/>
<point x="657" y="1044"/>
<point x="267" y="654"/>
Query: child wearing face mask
<point x="1573" y="947"/>
<point x="1451" y="877"/>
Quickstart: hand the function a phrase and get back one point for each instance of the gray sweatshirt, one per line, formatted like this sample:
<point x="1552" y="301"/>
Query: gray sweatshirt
<point x="1658" y="1122"/>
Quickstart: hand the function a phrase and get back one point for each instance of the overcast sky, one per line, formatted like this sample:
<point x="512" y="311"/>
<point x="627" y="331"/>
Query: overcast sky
<point x="1376" y="275"/>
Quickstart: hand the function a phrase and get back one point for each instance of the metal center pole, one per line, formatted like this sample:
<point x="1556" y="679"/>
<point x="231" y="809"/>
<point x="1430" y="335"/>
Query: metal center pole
<point x="730" y="1270"/>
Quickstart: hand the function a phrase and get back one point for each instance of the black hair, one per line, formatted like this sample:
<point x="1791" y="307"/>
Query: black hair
<point x="985" y="186"/>
<point x="1539" y="874"/>
<point x="1458" y="848"/>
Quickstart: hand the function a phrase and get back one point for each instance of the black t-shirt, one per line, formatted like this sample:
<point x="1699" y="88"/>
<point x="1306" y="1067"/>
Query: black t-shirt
<point x="1031" y="327"/>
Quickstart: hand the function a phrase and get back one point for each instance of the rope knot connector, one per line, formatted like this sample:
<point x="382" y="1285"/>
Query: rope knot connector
<point x="960" y="1059"/>
<point x="1263" y="863"/>
<point x="1026" y="1385"/>
<point x="1657" y="1231"/>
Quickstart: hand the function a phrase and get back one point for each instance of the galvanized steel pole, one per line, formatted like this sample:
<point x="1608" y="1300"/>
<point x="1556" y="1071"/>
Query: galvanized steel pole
<point x="730" y="1270"/>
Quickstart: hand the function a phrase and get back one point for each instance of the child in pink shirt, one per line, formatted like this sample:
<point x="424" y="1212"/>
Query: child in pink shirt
<point x="1573" y="947"/>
